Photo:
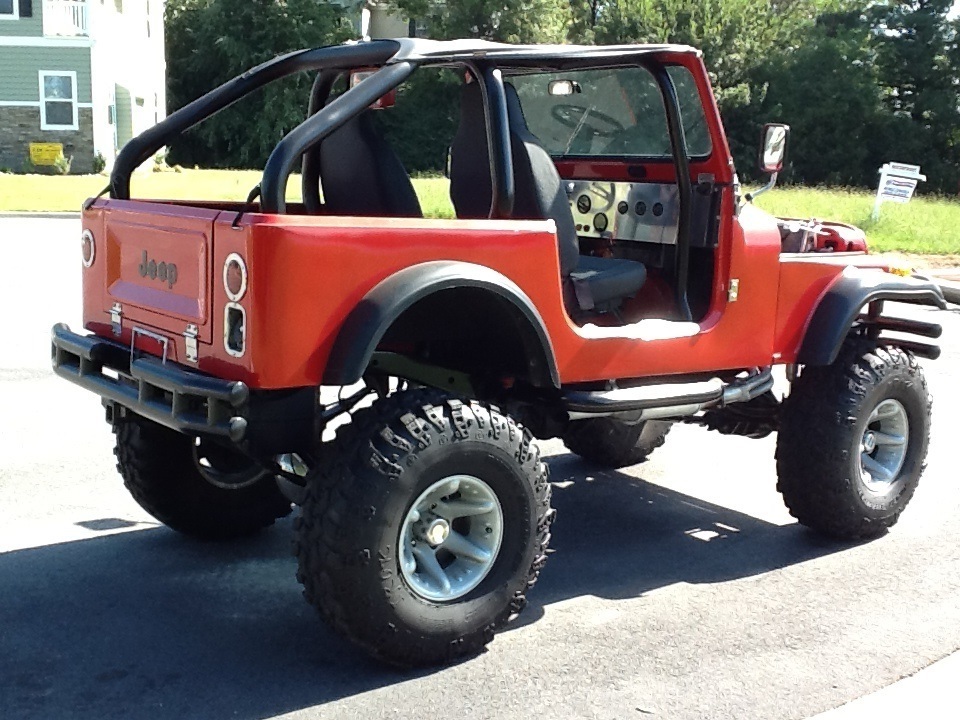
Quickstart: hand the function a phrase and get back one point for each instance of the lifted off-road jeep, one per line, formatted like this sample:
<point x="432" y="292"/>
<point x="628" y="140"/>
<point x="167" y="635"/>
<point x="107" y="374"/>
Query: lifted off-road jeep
<point x="603" y="279"/>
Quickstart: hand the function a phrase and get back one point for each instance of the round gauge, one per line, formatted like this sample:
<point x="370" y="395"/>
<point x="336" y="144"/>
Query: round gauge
<point x="622" y="207"/>
<point x="657" y="209"/>
<point x="600" y="222"/>
<point x="583" y="204"/>
<point x="640" y="208"/>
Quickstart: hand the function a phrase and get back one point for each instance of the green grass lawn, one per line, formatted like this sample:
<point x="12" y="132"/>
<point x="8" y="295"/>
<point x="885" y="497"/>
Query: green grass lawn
<point x="32" y="193"/>
<point x="56" y="193"/>
<point x="924" y="226"/>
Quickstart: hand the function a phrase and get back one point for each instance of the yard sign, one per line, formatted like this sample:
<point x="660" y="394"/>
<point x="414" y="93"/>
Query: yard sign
<point x="897" y="183"/>
<point x="45" y="153"/>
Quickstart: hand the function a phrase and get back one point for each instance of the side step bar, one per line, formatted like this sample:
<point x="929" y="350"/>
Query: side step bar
<point x="668" y="400"/>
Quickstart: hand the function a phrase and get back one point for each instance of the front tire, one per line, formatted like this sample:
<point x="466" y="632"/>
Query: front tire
<point x="426" y="530"/>
<point x="189" y="489"/>
<point x="853" y="440"/>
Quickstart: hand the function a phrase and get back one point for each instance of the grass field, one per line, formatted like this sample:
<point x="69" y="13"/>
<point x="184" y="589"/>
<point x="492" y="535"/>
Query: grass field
<point x="924" y="226"/>
<point x="55" y="193"/>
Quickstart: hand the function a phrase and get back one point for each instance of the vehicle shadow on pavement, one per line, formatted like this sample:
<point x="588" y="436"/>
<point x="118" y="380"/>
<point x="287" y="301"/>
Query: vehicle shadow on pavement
<point x="618" y="536"/>
<point x="150" y="624"/>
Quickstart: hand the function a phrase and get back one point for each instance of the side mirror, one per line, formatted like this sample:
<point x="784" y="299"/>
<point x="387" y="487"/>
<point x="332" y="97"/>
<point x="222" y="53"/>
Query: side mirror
<point x="773" y="147"/>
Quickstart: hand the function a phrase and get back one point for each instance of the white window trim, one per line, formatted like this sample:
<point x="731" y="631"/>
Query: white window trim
<point x="44" y="125"/>
<point x="15" y="15"/>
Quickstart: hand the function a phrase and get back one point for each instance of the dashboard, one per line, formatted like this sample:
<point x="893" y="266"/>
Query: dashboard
<point x="638" y="212"/>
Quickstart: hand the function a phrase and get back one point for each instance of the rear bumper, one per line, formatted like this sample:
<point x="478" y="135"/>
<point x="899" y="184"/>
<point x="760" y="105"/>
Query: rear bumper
<point x="167" y="393"/>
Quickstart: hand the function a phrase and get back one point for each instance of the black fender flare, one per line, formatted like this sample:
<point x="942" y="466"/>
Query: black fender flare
<point x="367" y="323"/>
<point x="843" y="301"/>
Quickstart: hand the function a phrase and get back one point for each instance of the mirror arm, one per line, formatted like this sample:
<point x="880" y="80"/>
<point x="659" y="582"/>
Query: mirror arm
<point x="749" y="197"/>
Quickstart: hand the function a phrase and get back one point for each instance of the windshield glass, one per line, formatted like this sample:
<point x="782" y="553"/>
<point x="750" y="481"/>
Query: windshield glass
<point x="610" y="112"/>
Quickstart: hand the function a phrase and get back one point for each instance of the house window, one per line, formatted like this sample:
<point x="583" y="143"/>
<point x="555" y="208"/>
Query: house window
<point x="58" y="100"/>
<point x="9" y="9"/>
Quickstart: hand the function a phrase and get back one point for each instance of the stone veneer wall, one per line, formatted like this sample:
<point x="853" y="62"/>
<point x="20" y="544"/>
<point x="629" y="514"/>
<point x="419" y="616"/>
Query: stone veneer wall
<point x="20" y="126"/>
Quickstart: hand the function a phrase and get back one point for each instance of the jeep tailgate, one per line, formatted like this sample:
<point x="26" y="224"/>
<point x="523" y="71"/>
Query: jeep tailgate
<point x="158" y="267"/>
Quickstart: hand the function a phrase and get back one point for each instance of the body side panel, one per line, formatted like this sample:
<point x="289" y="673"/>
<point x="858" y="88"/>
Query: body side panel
<point x="308" y="273"/>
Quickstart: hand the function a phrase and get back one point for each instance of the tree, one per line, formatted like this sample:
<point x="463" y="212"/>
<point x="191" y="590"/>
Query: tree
<point x="827" y="91"/>
<point x="211" y="41"/>
<point x="918" y="57"/>
<point x="737" y="37"/>
<point x="515" y="21"/>
<point x="424" y="120"/>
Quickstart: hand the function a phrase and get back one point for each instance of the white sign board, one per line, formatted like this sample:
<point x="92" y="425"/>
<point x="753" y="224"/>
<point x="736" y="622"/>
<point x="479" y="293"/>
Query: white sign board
<point x="897" y="183"/>
<point x="898" y="190"/>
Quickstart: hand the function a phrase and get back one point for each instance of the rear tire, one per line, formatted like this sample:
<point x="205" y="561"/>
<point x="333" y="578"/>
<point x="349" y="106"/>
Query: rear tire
<point x="417" y="462"/>
<point x="613" y="443"/>
<point x="159" y="468"/>
<point x="853" y="440"/>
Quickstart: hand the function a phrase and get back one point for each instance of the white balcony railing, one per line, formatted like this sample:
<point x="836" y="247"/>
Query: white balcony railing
<point x="66" y="18"/>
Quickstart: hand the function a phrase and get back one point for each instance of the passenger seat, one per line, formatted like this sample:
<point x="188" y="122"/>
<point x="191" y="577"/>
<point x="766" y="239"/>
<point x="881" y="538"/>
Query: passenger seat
<point x="361" y="175"/>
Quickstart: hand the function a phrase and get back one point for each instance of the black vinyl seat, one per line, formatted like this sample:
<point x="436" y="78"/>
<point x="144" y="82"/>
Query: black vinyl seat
<point x="603" y="283"/>
<point x="362" y="175"/>
<point x="598" y="283"/>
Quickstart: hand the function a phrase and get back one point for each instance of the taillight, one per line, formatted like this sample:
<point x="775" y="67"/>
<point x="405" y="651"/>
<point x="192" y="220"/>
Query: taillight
<point x="234" y="316"/>
<point x="234" y="329"/>
<point x="88" y="248"/>
<point x="234" y="277"/>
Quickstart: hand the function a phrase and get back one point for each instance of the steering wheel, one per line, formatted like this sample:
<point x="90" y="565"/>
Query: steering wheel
<point x="574" y="116"/>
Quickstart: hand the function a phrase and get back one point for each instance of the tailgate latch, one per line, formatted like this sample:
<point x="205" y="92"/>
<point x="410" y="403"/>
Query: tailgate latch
<point x="190" y="339"/>
<point x="116" y="313"/>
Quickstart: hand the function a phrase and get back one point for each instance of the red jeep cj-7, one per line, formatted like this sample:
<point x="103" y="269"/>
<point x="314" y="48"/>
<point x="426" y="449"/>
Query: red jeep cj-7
<point x="603" y="279"/>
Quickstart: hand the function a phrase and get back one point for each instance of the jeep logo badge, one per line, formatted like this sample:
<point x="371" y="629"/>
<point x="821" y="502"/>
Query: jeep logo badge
<point x="164" y="272"/>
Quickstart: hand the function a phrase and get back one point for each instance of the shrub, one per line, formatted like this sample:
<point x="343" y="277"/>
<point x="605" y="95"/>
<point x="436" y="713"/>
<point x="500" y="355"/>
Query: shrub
<point x="61" y="165"/>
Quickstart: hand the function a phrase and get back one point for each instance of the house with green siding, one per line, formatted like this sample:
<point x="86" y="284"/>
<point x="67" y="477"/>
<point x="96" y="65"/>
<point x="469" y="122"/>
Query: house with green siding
<point x="86" y="75"/>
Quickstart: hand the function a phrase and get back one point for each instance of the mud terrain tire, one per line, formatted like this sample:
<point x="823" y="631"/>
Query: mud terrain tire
<point x="615" y="444"/>
<point x="353" y="535"/>
<point x="158" y="468"/>
<point x="841" y="466"/>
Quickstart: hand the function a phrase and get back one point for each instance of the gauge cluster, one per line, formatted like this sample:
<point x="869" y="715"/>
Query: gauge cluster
<point x="641" y="212"/>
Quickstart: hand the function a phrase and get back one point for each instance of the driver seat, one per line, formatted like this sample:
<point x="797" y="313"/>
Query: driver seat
<point x="600" y="284"/>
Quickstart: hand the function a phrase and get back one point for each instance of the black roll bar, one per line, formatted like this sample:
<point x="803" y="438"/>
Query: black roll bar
<point x="142" y="147"/>
<point x="498" y="143"/>
<point x="314" y="129"/>
<point x="310" y="169"/>
<point x="681" y="164"/>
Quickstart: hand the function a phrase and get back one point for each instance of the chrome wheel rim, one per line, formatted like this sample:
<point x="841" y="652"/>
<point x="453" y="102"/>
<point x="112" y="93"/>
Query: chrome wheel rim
<point x="883" y="447"/>
<point x="450" y="538"/>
